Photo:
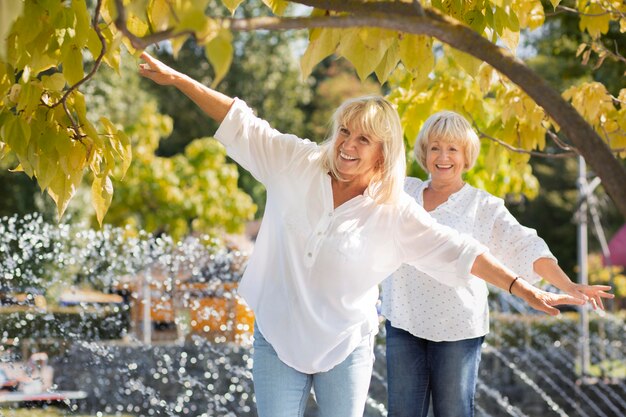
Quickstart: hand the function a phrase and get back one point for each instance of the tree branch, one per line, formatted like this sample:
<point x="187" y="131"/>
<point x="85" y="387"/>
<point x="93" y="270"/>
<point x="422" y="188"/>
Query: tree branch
<point x="63" y="100"/>
<point x="560" y="143"/>
<point x="524" y="151"/>
<point x="461" y="37"/>
<point x="142" y="42"/>
<point x="565" y="9"/>
<point x="403" y="17"/>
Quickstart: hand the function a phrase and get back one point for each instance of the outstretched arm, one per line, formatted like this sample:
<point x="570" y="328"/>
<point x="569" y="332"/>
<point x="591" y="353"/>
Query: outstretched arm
<point x="489" y="269"/>
<point x="552" y="272"/>
<point x="213" y="103"/>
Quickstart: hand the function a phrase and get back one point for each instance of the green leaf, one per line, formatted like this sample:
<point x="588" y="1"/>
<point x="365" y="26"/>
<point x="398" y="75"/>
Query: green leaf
<point x="54" y="82"/>
<point x="73" y="65"/>
<point x="219" y="52"/>
<point x="16" y="133"/>
<point x="476" y="20"/>
<point x="101" y="196"/>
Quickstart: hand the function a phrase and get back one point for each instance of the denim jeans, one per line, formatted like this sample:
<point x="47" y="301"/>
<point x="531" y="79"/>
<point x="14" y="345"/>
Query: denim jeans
<point x="281" y="391"/>
<point x="418" y="369"/>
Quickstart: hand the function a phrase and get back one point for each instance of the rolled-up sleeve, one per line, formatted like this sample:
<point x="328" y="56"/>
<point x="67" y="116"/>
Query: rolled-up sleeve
<point x="517" y="246"/>
<point x="435" y="249"/>
<point x="254" y="144"/>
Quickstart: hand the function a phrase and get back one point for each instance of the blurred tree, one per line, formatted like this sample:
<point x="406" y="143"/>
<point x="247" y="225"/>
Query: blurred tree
<point x="195" y="191"/>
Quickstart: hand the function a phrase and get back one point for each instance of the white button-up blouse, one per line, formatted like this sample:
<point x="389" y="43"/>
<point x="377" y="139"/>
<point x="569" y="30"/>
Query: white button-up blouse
<point x="312" y="279"/>
<point x="416" y="301"/>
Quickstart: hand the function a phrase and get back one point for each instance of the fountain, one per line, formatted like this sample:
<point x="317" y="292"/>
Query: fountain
<point x="195" y="359"/>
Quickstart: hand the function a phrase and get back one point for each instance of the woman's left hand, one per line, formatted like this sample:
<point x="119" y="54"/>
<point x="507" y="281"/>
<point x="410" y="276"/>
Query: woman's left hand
<point x="542" y="300"/>
<point x="592" y="293"/>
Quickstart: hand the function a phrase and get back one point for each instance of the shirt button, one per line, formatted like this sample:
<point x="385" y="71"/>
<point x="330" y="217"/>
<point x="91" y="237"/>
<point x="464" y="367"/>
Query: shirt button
<point x="330" y="214"/>
<point x="309" y="254"/>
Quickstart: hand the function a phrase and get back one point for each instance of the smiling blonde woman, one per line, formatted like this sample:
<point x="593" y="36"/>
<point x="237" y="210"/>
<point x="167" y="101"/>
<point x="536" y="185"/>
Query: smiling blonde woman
<point x="336" y="224"/>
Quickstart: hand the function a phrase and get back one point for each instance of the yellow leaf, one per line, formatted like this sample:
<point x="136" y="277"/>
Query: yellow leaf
<point x="594" y="19"/>
<point x="73" y="65"/>
<point x="77" y="157"/>
<point x="365" y="48"/>
<point x="510" y="39"/>
<point x="232" y="4"/>
<point x="119" y="143"/>
<point x="28" y="102"/>
<point x="101" y="196"/>
<point x="469" y="64"/>
<point x="159" y="15"/>
<point x="9" y="11"/>
<point x="41" y="62"/>
<point x="485" y="77"/>
<point x="94" y="44"/>
<point x="417" y="55"/>
<point x="63" y="187"/>
<point x="388" y="63"/>
<point x="54" y="82"/>
<point x="83" y="22"/>
<point x="555" y="3"/>
<point x="219" y="51"/>
<point x="278" y="6"/>
<point x="322" y="43"/>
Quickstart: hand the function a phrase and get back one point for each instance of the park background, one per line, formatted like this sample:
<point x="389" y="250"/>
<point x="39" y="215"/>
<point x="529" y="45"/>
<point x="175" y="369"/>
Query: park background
<point x="167" y="230"/>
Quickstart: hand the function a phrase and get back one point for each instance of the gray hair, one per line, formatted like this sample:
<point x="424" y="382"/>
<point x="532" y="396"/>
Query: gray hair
<point x="450" y="127"/>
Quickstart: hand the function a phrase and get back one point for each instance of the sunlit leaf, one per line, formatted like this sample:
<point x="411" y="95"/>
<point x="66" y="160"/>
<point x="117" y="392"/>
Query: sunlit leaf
<point x="219" y="51"/>
<point x="9" y="11"/>
<point x="469" y="64"/>
<point x="364" y="56"/>
<point x="388" y="63"/>
<point x="101" y="196"/>
<point x="232" y="4"/>
<point x="16" y="133"/>
<point x="63" y="187"/>
<point x="278" y="6"/>
<point x="417" y="55"/>
<point x="73" y="65"/>
<point x="322" y="43"/>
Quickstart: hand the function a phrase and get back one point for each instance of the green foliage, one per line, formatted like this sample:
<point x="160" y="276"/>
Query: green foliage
<point x="178" y="195"/>
<point x="44" y="120"/>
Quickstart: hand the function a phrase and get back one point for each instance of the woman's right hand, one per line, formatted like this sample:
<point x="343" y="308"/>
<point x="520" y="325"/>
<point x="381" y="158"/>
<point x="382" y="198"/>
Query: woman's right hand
<point x="157" y="71"/>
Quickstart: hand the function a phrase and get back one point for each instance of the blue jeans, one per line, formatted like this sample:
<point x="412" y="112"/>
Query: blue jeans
<point x="281" y="391"/>
<point x="418" y="369"/>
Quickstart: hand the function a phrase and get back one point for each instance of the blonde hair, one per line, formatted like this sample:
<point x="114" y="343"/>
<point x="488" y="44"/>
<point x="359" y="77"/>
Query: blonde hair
<point x="377" y="117"/>
<point x="449" y="127"/>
